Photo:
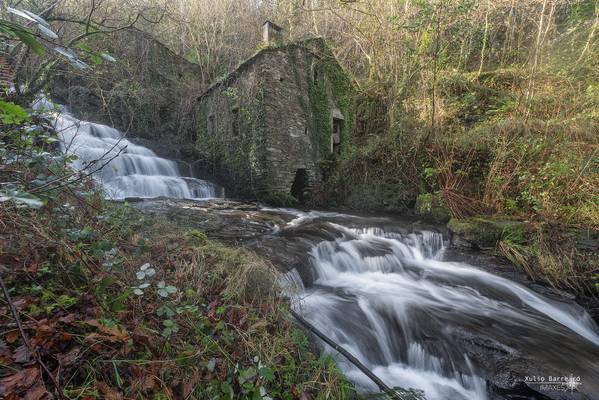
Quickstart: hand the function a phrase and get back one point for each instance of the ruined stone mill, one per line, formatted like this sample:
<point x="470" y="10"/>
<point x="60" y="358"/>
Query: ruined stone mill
<point x="266" y="127"/>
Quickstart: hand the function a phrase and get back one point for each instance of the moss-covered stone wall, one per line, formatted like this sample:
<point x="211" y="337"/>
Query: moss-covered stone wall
<point x="282" y="100"/>
<point x="149" y="92"/>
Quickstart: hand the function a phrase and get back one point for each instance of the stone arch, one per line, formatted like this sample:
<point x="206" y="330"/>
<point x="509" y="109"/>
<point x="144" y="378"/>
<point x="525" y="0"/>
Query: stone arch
<point x="301" y="183"/>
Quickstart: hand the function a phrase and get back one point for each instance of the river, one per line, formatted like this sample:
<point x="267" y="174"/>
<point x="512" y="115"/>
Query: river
<point x="383" y="288"/>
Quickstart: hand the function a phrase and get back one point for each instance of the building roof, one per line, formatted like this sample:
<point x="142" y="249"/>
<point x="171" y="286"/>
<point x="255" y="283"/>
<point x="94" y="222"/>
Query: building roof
<point x="275" y="26"/>
<point x="250" y="61"/>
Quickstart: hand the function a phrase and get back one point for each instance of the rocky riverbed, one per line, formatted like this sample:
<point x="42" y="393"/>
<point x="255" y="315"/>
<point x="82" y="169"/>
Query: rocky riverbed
<point x="501" y="354"/>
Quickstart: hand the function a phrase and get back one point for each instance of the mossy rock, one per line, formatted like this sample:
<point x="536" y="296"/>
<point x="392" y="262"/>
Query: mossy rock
<point x="485" y="232"/>
<point x="278" y="199"/>
<point x="431" y="206"/>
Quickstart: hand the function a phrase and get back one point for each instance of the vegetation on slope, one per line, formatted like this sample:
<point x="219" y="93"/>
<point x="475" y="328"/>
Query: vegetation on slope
<point x="100" y="302"/>
<point x="469" y="108"/>
<point x="489" y="110"/>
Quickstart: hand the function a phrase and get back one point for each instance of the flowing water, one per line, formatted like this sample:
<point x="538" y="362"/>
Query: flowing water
<point x="445" y="328"/>
<point x="386" y="294"/>
<point x="123" y="168"/>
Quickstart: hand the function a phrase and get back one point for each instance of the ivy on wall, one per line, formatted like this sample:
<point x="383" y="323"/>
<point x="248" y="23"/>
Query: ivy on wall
<point x="234" y="159"/>
<point x="332" y="82"/>
<point x="239" y="158"/>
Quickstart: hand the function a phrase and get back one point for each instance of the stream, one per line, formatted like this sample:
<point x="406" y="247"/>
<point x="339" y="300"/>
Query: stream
<point x="419" y="321"/>
<point x="388" y="290"/>
<point x="123" y="168"/>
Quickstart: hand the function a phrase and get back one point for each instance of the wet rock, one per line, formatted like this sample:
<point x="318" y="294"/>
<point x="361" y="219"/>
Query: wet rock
<point x="226" y="220"/>
<point x="506" y="356"/>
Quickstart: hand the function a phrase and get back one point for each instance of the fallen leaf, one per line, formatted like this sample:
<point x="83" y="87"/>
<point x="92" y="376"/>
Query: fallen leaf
<point x="113" y="333"/>
<point x="12" y="336"/>
<point x="22" y="354"/>
<point x="68" y="319"/>
<point x="33" y="267"/>
<point x="19" y="381"/>
<point x="37" y="392"/>
<point x="141" y="337"/>
<point x="69" y="357"/>
<point x="108" y="392"/>
<point x="190" y="384"/>
<point x="43" y="331"/>
<point x="19" y="304"/>
<point x="148" y="383"/>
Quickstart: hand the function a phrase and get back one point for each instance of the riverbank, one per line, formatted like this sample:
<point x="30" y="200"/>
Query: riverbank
<point x="222" y="297"/>
<point x="103" y="302"/>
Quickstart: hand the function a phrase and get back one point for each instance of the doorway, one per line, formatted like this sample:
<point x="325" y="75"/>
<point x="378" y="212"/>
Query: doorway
<point x="300" y="185"/>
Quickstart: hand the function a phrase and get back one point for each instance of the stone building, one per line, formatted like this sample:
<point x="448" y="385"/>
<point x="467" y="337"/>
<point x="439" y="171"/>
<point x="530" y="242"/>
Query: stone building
<point x="266" y="128"/>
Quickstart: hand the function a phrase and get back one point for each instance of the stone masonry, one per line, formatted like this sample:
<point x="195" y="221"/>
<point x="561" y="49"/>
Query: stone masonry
<point x="265" y="127"/>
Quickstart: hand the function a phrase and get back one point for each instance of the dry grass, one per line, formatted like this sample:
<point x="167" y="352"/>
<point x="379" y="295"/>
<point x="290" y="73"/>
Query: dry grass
<point x="228" y="316"/>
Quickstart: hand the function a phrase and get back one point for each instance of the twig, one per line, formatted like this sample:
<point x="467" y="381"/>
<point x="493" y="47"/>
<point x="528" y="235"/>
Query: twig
<point x="26" y="340"/>
<point x="81" y="176"/>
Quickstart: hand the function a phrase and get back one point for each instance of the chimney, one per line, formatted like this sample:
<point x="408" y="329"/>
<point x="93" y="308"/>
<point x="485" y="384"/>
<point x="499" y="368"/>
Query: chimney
<point x="271" y="33"/>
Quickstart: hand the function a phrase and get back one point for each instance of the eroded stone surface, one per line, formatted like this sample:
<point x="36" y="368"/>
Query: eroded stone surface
<point x="266" y="126"/>
<point x="279" y="236"/>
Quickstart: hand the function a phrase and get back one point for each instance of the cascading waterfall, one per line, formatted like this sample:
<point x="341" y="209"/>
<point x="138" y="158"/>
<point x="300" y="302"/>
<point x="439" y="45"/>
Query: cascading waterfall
<point x="123" y="168"/>
<point x="389" y="299"/>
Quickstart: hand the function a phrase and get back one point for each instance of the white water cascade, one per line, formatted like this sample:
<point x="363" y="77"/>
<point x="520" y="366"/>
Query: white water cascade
<point x="123" y="168"/>
<point x="412" y="319"/>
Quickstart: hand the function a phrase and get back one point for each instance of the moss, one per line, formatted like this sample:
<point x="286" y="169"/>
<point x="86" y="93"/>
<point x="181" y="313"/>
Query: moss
<point x="560" y="256"/>
<point x="235" y="160"/>
<point x="515" y="232"/>
<point x="344" y="94"/>
<point x="280" y="199"/>
<point x="196" y="237"/>
<point x="336" y="84"/>
<point x="485" y="232"/>
<point x="432" y="206"/>
<point x="321" y="116"/>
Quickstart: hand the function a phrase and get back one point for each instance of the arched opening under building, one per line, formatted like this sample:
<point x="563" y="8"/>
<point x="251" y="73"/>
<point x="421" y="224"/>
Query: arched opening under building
<point x="300" y="185"/>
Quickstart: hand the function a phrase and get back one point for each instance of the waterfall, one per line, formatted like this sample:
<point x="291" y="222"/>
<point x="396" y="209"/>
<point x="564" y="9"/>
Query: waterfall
<point x="390" y="300"/>
<point x="123" y="168"/>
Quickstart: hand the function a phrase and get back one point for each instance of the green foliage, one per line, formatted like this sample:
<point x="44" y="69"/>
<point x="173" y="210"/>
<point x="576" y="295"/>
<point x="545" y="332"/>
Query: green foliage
<point x="485" y="232"/>
<point x="12" y="114"/>
<point x="196" y="236"/>
<point x="20" y="197"/>
<point x="223" y="322"/>
<point x="431" y="205"/>
<point x="169" y="328"/>
<point x="279" y="199"/>
<point x="235" y="157"/>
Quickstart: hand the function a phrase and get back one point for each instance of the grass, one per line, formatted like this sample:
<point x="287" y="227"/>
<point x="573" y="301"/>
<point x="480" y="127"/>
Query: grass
<point x="507" y="144"/>
<point x="102" y="302"/>
<point x="222" y="331"/>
